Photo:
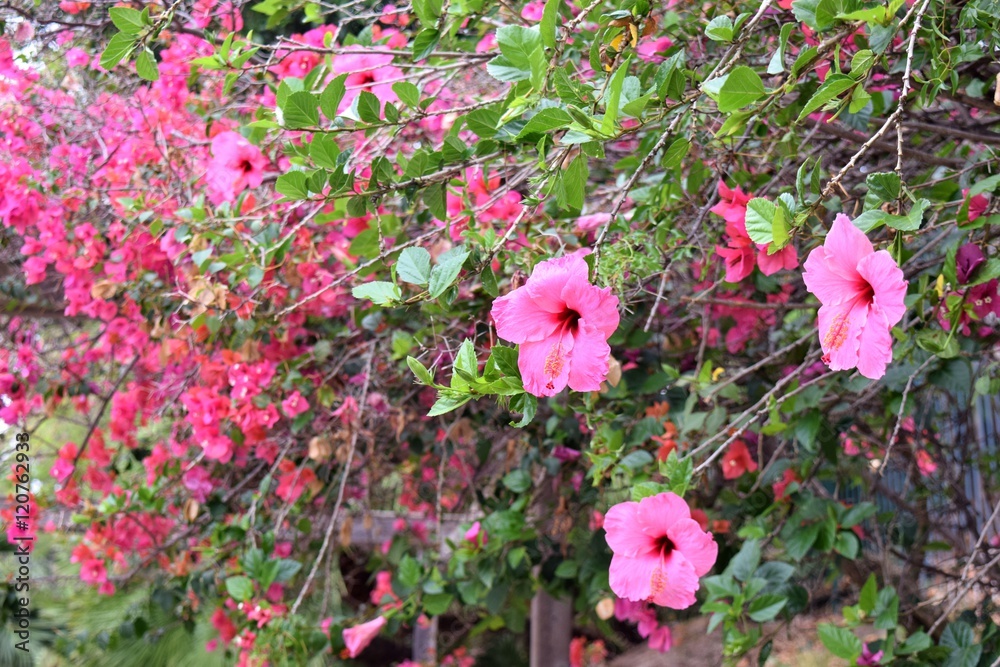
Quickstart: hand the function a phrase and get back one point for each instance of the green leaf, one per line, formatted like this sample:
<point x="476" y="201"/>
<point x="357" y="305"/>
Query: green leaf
<point x="612" y="97"/>
<point x="741" y="88"/>
<point x="527" y="405"/>
<point x="407" y="93"/>
<point x="915" y="643"/>
<point x="145" y="66"/>
<point x="465" y="359"/>
<point x="861" y="62"/>
<point x="766" y="607"/>
<point x="489" y="281"/>
<point x="801" y="540"/>
<point x="912" y="220"/>
<point x="743" y="564"/>
<point x="869" y="593"/>
<point x="126" y="19"/>
<point x="332" y="95"/>
<point x="300" y="111"/>
<point x="676" y="152"/>
<point x="846" y="544"/>
<point x="239" y="587"/>
<point x="414" y="266"/>
<point x="517" y="44"/>
<point x="760" y="218"/>
<point x="483" y="122"/>
<point x="885" y="185"/>
<point x="517" y="481"/>
<point x="420" y="371"/>
<point x="720" y="29"/>
<point x="777" y="62"/>
<point x="448" y="401"/>
<point x="965" y="652"/>
<point x="409" y="571"/>
<point x="425" y="42"/>
<point x="369" y="107"/>
<point x="293" y="185"/>
<point x="449" y="265"/>
<point x="118" y="47"/>
<point x="379" y="292"/>
<point x="323" y="150"/>
<point x="567" y="569"/>
<point x="544" y="121"/>
<point x="437" y="603"/>
<point x="435" y="200"/>
<point x="547" y="26"/>
<point x="506" y="360"/>
<point x="573" y="183"/>
<point x="840" y="641"/>
<point x="834" y="85"/>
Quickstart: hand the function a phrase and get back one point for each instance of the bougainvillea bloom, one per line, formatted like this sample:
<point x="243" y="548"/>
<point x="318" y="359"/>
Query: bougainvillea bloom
<point x="737" y="461"/>
<point x="659" y="551"/>
<point x="862" y="293"/>
<point x="562" y="323"/>
<point x="359" y="637"/>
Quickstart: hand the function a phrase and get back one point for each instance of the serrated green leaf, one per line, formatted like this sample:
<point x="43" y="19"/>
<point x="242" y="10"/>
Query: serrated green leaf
<point x="379" y="292"/>
<point x="300" y="110"/>
<point x="126" y="19"/>
<point x="742" y="87"/>
<point x="449" y="265"/>
<point x="118" y="47"/>
<point x="145" y="66"/>
<point x="414" y="266"/>
<point x="840" y="641"/>
<point x="293" y="185"/>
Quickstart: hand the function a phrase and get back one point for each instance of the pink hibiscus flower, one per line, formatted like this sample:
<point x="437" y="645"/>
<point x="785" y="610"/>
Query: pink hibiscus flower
<point x="236" y="165"/>
<point x="360" y="636"/>
<point x="659" y="551"/>
<point x="861" y="292"/>
<point x="741" y="254"/>
<point x="562" y="323"/>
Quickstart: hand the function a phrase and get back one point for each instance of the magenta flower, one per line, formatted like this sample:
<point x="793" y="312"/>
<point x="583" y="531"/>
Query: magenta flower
<point x="236" y="165"/>
<point x="862" y="293"/>
<point x="562" y="323"/>
<point x="359" y="637"/>
<point x="868" y="658"/>
<point x="659" y="551"/>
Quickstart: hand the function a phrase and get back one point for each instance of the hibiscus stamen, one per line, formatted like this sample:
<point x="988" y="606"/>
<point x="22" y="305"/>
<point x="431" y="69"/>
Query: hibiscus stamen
<point x="836" y="336"/>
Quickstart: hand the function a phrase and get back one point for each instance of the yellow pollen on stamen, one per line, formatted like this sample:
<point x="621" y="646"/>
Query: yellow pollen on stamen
<point x="554" y="361"/>
<point x="657" y="583"/>
<point x="836" y="335"/>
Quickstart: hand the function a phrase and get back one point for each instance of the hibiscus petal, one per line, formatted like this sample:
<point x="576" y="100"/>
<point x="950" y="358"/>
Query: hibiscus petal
<point x="545" y="365"/>
<point x="875" y="352"/>
<point x="550" y="277"/>
<point x="588" y="364"/>
<point x="828" y="280"/>
<point x="698" y="546"/>
<point x="674" y="583"/>
<point x="631" y="578"/>
<point x="846" y="244"/>
<point x="519" y="319"/>
<point x="888" y="283"/>
<point x="623" y="532"/>
<point x="658" y="513"/>
<point x="739" y="262"/>
<point x="597" y="306"/>
<point x="771" y="264"/>
<point x="840" y="329"/>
